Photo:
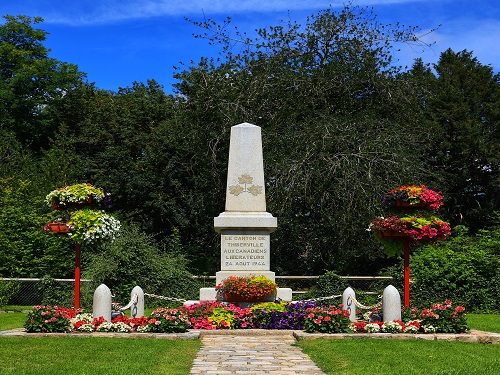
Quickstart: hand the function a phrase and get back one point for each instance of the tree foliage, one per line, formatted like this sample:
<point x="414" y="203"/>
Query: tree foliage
<point x="341" y="124"/>
<point x="30" y="82"/>
<point x="464" y="110"/>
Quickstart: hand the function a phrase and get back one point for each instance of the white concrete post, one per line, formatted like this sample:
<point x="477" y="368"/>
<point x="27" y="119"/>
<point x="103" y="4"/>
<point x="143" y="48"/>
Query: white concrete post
<point x="348" y="303"/>
<point x="137" y="308"/>
<point x="102" y="303"/>
<point x="391" y="304"/>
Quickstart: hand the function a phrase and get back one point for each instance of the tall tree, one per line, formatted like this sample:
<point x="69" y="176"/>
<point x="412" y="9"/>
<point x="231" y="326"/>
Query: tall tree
<point x="465" y="111"/>
<point x="30" y="81"/>
<point x="338" y="124"/>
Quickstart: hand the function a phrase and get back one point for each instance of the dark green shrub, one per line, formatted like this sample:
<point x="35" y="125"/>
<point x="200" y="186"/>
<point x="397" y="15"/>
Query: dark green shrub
<point x="328" y="284"/>
<point x="56" y="293"/>
<point x="7" y="290"/>
<point x="465" y="269"/>
<point x="134" y="259"/>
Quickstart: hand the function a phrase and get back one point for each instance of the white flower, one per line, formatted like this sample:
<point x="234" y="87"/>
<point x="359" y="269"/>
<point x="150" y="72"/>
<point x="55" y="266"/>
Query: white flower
<point x="392" y="327"/>
<point x="105" y="327"/>
<point x="411" y="329"/>
<point x="143" y="329"/>
<point x="372" y="328"/>
<point x="86" y="328"/>
<point x="429" y="329"/>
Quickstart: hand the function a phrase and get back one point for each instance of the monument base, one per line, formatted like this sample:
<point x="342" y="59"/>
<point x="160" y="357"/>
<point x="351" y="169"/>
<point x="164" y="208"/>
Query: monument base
<point x="210" y="294"/>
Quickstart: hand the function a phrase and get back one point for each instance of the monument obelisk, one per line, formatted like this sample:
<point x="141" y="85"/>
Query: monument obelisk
<point x="245" y="225"/>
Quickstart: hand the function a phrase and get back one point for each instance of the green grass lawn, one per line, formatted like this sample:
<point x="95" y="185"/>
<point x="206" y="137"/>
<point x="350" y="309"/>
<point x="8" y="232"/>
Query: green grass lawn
<point x="94" y="356"/>
<point x="484" y="322"/>
<point x="12" y="320"/>
<point x="16" y="308"/>
<point x="377" y="356"/>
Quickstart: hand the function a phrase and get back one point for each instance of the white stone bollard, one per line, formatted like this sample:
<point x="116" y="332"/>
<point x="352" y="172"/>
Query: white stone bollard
<point x="348" y="303"/>
<point x="391" y="304"/>
<point x="102" y="303"/>
<point x="137" y="309"/>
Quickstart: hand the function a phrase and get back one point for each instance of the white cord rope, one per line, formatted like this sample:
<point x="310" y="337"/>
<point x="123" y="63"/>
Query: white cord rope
<point x="165" y="298"/>
<point x="320" y="298"/>
<point x="364" y="307"/>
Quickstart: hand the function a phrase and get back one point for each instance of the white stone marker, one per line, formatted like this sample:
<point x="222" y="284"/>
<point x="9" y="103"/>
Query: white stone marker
<point x="391" y="304"/>
<point x="101" y="305"/>
<point x="348" y="298"/>
<point x="245" y="226"/>
<point x="137" y="309"/>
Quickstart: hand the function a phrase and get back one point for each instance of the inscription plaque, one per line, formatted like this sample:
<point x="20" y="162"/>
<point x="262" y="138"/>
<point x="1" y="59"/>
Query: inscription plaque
<point x="245" y="251"/>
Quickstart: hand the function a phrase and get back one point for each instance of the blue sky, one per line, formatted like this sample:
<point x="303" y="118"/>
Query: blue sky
<point x="117" y="42"/>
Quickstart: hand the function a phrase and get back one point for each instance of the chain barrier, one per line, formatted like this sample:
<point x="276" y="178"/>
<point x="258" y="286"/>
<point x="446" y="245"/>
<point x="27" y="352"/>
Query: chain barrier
<point x="165" y="298"/>
<point x="320" y="298"/>
<point x="364" y="307"/>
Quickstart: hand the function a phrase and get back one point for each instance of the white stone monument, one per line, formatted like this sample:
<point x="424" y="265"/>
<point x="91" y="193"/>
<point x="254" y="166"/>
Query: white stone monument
<point x="245" y="225"/>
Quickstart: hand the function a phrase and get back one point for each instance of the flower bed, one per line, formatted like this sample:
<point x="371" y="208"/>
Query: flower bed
<point x="440" y="318"/>
<point x="305" y="315"/>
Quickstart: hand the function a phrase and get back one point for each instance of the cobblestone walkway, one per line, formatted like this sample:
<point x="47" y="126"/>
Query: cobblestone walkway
<point x="229" y="354"/>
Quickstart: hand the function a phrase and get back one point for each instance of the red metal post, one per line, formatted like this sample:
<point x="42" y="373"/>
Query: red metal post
<point x="76" y="298"/>
<point x="406" y="248"/>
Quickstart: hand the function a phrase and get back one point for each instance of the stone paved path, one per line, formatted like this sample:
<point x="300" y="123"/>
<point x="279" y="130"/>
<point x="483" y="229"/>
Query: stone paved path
<point x="270" y="354"/>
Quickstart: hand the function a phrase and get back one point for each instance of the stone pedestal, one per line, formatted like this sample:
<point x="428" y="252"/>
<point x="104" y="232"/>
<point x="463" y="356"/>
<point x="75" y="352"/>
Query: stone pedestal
<point x="391" y="304"/>
<point x="101" y="305"/>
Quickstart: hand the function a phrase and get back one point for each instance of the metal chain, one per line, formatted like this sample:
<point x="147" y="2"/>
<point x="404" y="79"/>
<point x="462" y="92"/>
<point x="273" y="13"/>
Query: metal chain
<point x="320" y="298"/>
<point x="361" y="306"/>
<point x="166" y="298"/>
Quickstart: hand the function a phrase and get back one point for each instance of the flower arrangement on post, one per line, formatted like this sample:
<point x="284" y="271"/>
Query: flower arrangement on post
<point x="81" y="225"/>
<point x="74" y="195"/>
<point x="397" y="232"/>
<point x="247" y="289"/>
<point x="412" y="196"/>
<point x="92" y="226"/>
<point x="418" y="228"/>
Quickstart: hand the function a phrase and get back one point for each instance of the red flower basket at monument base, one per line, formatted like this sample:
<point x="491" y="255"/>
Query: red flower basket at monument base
<point x="247" y="289"/>
<point x="232" y="297"/>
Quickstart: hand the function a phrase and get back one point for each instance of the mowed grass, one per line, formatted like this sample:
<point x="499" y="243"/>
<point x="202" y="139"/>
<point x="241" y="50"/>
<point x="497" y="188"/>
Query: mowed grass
<point x="95" y="355"/>
<point x="12" y="320"/>
<point x="484" y="322"/>
<point x="378" y="356"/>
